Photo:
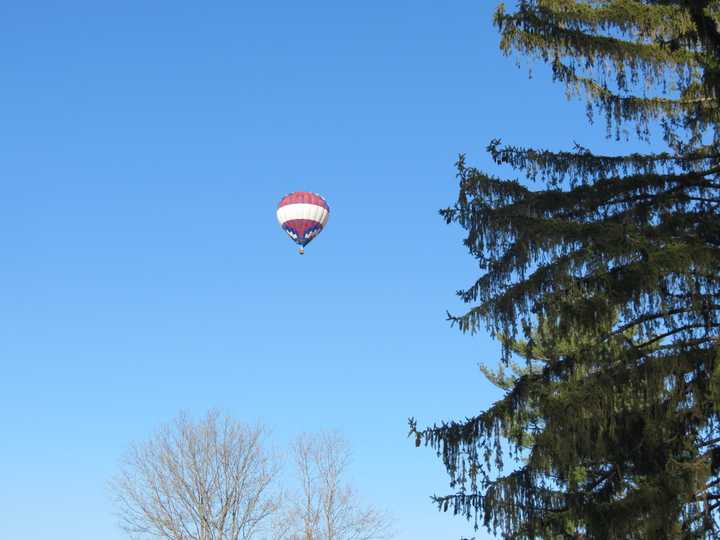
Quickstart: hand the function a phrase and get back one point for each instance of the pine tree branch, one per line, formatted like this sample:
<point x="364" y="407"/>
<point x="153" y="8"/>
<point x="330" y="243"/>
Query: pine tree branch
<point x="582" y="164"/>
<point x="627" y="16"/>
<point x="635" y="108"/>
<point x="530" y="33"/>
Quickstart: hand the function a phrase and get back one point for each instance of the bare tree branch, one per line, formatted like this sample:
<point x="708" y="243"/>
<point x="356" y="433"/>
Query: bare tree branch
<point x="326" y="507"/>
<point x="209" y="480"/>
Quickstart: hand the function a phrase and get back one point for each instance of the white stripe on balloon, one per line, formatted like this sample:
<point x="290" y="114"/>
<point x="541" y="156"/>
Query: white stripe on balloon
<point x="302" y="211"/>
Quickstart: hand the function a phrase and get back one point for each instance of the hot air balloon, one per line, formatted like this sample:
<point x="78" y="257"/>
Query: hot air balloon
<point x="302" y="215"/>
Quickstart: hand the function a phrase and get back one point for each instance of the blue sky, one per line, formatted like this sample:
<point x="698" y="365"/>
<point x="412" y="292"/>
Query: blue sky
<point x="143" y="148"/>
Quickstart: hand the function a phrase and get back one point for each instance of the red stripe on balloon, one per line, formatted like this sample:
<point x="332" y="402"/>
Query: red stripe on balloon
<point x="304" y="197"/>
<point x="301" y="226"/>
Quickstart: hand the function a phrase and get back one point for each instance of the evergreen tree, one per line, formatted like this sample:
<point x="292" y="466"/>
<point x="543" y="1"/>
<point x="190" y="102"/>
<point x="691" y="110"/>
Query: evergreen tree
<point x="605" y="279"/>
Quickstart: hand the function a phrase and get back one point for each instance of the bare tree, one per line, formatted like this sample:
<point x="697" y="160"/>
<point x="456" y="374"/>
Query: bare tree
<point x="209" y="480"/>
<point x="325" y="507"/>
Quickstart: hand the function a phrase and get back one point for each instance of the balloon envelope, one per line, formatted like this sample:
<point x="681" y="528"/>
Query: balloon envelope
<point x="302" y="215"/>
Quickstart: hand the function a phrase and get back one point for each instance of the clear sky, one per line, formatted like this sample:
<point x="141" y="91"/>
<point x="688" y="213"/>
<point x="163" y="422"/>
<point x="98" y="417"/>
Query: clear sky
<point x="143" y="149"/>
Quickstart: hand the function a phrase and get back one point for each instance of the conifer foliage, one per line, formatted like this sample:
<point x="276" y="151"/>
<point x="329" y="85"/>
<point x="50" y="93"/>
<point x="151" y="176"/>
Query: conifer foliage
<point x="604" y="277"/>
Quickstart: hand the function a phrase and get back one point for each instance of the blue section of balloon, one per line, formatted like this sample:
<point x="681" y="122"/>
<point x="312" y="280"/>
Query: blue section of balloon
<point x="305" y="238"/>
